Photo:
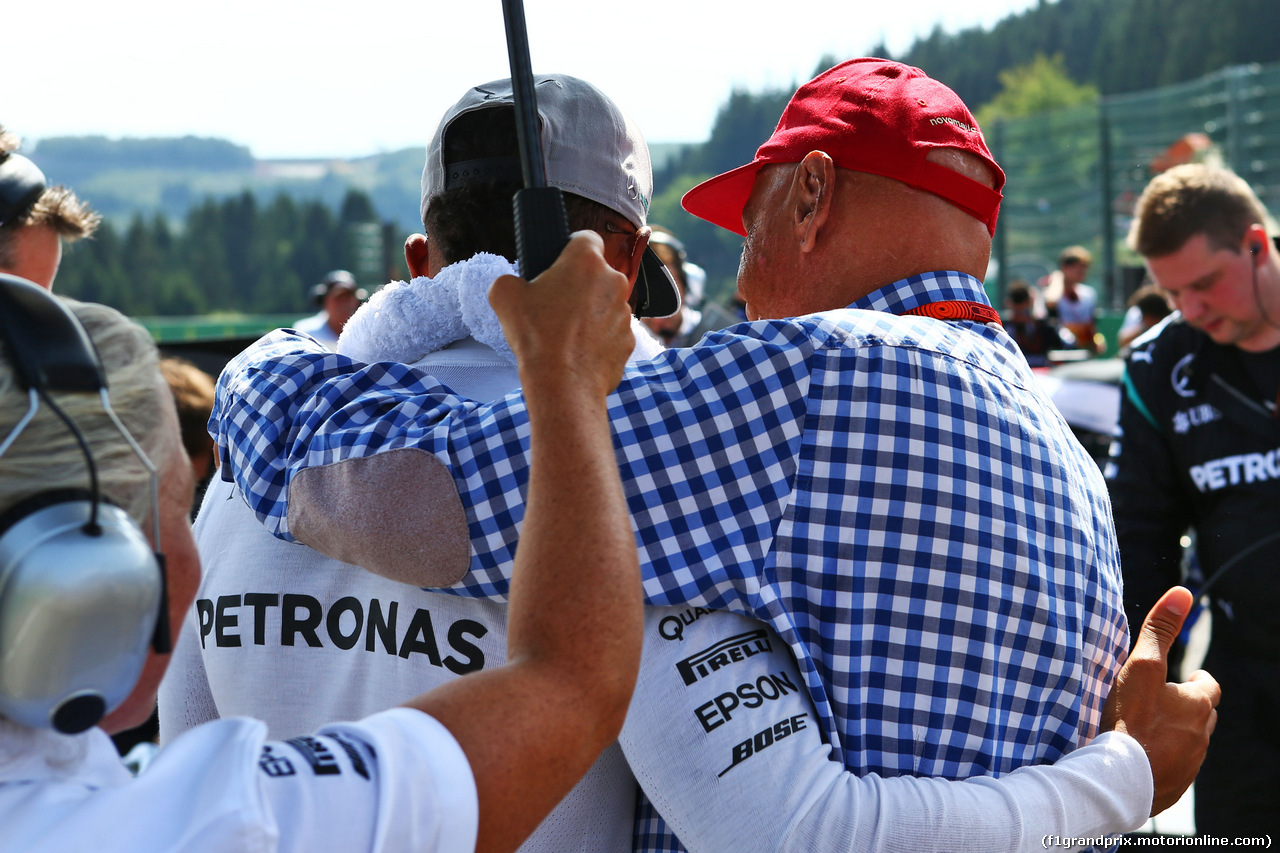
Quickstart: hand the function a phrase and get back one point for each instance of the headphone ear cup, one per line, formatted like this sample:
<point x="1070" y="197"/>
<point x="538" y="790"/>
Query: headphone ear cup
<point x="78" y="610"/>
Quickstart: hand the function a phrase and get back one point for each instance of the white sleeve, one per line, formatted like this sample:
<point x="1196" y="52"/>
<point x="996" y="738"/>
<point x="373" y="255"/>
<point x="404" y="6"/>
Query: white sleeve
<point x="408" y="786"/>
<point x="395" y="781"/>
<point x="185" y="699"/>
<point x="1087" y="799"/>
<point x="723" y="738"/>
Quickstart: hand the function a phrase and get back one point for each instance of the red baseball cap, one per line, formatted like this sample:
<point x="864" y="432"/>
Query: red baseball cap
<point x="870" y="115"/>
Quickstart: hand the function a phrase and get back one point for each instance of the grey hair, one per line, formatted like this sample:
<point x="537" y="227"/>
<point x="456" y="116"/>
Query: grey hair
<point x="46" y="454"/>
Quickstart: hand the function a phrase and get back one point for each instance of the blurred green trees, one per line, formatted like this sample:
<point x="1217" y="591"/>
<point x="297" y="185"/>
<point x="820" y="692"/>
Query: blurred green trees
<point x="235" y="255"/>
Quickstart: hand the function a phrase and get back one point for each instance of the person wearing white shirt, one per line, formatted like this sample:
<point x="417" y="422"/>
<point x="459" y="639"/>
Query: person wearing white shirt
<point x="474" y="765"/>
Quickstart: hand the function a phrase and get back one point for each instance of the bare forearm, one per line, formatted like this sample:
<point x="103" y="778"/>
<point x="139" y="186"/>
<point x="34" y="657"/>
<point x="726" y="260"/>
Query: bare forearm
<point x="578" y="535"/>
<point x="530" y="729"/>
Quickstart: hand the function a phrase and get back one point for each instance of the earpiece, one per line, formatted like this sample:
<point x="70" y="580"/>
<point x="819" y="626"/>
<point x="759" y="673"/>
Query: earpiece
<point x="1255" y="248"/>
<point x="21" y="185"/>
<point x="82" y="594"/>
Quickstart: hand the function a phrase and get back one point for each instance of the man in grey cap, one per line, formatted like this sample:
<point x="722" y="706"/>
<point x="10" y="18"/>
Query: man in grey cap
<point x="338" y="297"/>
<point x="273" y="620"/>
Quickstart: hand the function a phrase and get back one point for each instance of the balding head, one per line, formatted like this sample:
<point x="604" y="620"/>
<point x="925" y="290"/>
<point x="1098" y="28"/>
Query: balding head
<point x="820" y="237"/>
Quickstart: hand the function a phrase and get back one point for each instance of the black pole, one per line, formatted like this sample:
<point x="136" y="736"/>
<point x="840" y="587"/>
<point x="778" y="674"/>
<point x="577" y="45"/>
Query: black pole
<point x="542" y="228"/>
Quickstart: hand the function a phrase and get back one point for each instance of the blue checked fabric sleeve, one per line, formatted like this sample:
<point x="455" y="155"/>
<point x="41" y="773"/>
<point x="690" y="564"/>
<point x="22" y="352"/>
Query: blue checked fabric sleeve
<point x="652" y="835"/>
<point x="893" y="495"/>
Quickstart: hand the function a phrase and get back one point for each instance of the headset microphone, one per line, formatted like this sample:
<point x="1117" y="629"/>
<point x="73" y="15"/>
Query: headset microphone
<point x="82" y="593"/>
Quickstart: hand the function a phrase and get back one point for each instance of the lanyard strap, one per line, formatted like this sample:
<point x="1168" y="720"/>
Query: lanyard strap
<point x="956" y="309"/>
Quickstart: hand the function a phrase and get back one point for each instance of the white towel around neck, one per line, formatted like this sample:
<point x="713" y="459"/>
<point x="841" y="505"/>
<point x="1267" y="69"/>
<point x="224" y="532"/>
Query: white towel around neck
<point x="406" y="321"/>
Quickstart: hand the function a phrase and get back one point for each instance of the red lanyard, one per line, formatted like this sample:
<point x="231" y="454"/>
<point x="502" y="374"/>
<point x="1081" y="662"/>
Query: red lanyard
<point x="955" y="309"/>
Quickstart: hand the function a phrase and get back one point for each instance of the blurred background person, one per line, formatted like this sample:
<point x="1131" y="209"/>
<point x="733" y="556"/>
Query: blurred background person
<point x="1073" y="303"/>
<point x="1196" y="449"/>
<point x="338" y="297"/>
<point x="1035" y="336"/>
<point x="192" y="391"/>
<point x="1147" y="306"/>
<point x="676" y="330"/>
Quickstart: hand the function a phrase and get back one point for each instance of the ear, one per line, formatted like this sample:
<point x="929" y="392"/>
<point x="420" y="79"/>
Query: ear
<point x="417" y="254"/>
<point x="624" y="251"/>
<point x="813" y="185"/>
<point x="632" y="262"/>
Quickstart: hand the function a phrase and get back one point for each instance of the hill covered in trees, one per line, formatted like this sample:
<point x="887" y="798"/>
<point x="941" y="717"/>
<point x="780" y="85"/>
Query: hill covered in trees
<point x="198" y="225"/>
<point x="1100" y="47"/>
<point x="1115" y="45"/>
<point x="235" y="255"/>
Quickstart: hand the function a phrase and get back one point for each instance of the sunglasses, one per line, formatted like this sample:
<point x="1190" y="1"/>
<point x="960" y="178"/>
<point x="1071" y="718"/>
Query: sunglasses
<point x="21" y="185"/>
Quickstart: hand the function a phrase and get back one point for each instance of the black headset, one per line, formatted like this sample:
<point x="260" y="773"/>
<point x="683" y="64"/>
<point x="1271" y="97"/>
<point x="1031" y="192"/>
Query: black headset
<point x="82" y="593"/>
<point x="21" y="185"/>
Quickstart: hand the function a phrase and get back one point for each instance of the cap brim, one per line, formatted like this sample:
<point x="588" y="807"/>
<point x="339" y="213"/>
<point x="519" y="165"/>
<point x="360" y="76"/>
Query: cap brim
<point x="656" y="291"/>
<point x="720" y="200"/>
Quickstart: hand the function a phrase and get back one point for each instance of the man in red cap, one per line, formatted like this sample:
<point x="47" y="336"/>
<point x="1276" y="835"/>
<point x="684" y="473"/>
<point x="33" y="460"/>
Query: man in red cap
<point x="871" y="150"/>
<point x="869" y="468"/>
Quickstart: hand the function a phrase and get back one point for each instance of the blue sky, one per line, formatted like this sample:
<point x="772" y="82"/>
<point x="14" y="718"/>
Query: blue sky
<point x="320" y="79"/>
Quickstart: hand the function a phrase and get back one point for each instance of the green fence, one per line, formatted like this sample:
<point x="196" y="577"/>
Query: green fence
<point x="177" y="330"/>
<point x="1074" y="174"/>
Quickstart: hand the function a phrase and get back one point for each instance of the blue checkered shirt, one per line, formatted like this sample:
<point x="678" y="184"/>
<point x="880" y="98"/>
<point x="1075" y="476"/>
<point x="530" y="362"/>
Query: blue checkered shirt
<point x="893" y="494"/>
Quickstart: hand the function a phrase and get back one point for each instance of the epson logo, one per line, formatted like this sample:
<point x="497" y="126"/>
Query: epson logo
<point x="766" y="688"/>
<point x="722" y="654"/>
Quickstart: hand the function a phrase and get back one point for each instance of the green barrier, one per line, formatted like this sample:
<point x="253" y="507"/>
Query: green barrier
<point x="1109" y="326"/>
<point x="170" y="330"/>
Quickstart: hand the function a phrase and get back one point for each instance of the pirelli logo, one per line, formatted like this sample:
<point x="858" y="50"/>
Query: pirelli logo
<point x="722" y="654"/>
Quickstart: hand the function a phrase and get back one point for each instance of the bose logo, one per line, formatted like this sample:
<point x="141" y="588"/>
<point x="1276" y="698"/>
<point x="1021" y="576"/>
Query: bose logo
<point x="764" y="739"/>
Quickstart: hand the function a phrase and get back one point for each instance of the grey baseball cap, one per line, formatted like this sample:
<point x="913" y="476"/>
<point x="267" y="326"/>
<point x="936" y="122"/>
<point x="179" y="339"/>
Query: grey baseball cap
<point x="591" y="149"/>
